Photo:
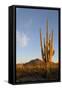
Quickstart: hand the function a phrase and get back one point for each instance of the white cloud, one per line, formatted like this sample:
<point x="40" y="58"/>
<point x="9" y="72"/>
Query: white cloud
<point x="22" y="39"/>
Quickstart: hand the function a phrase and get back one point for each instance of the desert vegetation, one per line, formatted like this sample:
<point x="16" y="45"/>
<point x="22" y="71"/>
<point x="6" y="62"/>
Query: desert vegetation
<point x="36" y="70"/>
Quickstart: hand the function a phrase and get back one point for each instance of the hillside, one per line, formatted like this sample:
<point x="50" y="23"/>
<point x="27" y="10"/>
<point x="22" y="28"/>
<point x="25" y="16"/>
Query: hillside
<point x="36" y="70"/>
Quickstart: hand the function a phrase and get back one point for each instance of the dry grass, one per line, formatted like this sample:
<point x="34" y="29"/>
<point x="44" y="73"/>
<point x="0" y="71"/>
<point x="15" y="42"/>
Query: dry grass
<point x="37" y="69"/>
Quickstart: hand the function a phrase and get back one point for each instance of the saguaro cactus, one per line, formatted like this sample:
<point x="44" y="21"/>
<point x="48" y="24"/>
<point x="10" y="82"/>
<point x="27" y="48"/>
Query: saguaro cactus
<point x="47" y="50"/>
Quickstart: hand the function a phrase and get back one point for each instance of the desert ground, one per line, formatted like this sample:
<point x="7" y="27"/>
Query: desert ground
<point x="37" y="70"/>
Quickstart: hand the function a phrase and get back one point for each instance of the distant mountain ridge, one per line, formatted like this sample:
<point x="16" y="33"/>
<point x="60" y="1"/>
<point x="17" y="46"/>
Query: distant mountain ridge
<point x="34" y="61"/>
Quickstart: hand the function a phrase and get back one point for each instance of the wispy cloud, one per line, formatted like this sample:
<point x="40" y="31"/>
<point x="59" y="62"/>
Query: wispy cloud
<point x="22" y="39"/>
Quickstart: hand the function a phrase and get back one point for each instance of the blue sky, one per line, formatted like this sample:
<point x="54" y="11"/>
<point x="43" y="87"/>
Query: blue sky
<point x="28" y="23"/>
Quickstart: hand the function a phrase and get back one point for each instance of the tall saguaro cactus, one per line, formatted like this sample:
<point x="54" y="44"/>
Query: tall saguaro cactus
<point x="47" y="50"/>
